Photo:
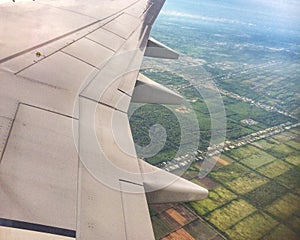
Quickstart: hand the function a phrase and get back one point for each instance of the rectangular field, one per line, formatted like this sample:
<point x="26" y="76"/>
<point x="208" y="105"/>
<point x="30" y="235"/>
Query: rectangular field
<point x="290" y="179"/>
<point x="280" y="151"/>
<point x="201" y="230"/>
<point x="293" y="144"/>
<point x="229" y="172"/>
<point x="223" y="218"/>
<point x="274" y="169"/>
<point x="258" y="159"/>
<point x="246" y="183"/>
<point x="253" y="227"/>
<point x="264" y="195"/>
<point x="267" y="143"/>
<point x="206" y="182"/>
<point x="160" y="227"/>
<point x="177" y="216"/>
<point x="281" y="232"/>
<point x="294" y="159"/>
<point x="179" y="234"/>
<point x="243" y="152"/>
<point x="285" y="207"/>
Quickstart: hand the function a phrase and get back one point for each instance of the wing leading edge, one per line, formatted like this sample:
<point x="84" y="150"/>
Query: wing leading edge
<point x="68" y="163"/>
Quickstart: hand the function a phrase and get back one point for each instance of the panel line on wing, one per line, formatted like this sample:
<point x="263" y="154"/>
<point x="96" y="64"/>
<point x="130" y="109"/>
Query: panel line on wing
<point x="107" y="38"/>
<point x="9" y="132"/>
<point x="48" y="110"/>
<point x="102" y="26"/>
<point x="60" y="48"/>
<point x="135" y="212"/>
<point x="123" y="208"/>
<point x="115" y="33"/>
<point x="45" y="43"/>
<point x="136" y="9"/>
<point x="99" y="43"/>
<point x="13" y="120"/>
<point x="102" y="103"/>
<point x="130" y="182"/>
<point x="118" y="25"/>
<point x="89" y="52"/>
<point x="80" y="59"/>
<point x="40" y="158"/>
<point x="37" y="227"/>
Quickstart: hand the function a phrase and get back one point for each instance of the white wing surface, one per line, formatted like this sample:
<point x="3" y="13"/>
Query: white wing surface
<point x="68" y="72"/>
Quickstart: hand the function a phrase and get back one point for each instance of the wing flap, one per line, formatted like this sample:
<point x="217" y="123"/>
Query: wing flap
<point x="99" y="209"/>
<point x="164" y="187"/>
<point x="105" y="143"/>
<point x="135" y="210"/>
<point x="110" y="182"/>
<point x="38" y="170"/>
<point x="158" y="50"/>
<point x="148" y="91"/>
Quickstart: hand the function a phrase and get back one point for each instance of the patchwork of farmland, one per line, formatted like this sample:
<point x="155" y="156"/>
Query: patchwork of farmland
<point x="255" y="196"/>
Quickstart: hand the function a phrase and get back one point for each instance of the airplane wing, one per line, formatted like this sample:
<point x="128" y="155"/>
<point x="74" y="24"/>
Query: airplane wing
<point x="68" y="72"/>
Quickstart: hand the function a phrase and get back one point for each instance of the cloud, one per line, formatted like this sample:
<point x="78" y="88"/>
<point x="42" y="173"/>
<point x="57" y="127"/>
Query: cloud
<point x="201" y="17"/>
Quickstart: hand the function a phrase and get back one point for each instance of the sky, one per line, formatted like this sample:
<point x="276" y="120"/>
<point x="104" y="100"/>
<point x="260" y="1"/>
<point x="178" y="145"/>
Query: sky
<point x="271" y="14"/>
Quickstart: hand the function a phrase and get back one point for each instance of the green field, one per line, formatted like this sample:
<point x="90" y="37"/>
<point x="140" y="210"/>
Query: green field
<point x="280" y="151"/>
<point x="274" y="169"/>
<point x="216" y="198"/>
<point x="229" y="172"/>
<point x="267" y="143"/>
<point x="293" y="144"/>
<point x="285" y="207"/>
<point x="257" y="160"/>
<point x="243" y="152"/>
<point x="264" y="195"/>
<point x="254" y="227"/>
<point x="255" y="196"/>
<point x="265" y="188"/>
<point x="290" y="179"/>
<point x="246" y="183"/>
<point x="281" y="232"/>
<point x="235" y="129"/>
<point x="293" y="159"/>
<point x="230" y="214"/>
<point x="285" y="136"/>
